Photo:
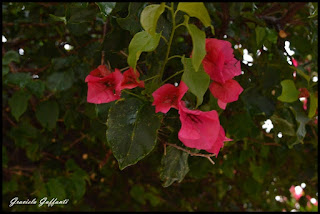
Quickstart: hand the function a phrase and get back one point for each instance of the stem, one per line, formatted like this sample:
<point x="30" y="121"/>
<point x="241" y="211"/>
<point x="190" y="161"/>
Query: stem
<point x="179" y="72"/>
<point x="151" y="78"/>
<point x="128" y="92"/>
<point x="164" y="38"/>
<point x="175" y="56"/>
<point x="170" y="40"/>
<point x="191" y="153"/>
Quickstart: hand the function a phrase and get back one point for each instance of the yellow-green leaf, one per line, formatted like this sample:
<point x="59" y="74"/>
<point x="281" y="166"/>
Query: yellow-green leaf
<point x="149" y="17"/>
<point x="313" y="105"/>
<point x="289" y="92"/>
<point x="141" y="42"/>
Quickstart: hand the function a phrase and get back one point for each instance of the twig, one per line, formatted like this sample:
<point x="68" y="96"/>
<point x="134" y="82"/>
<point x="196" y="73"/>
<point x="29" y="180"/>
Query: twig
<point x="193" y="154"/>
<point x="78" y="140"/>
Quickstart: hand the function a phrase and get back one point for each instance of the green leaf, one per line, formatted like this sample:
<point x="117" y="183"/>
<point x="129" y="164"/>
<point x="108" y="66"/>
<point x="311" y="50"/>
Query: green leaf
<point x="132" y="22"/>
<point x="260" y="35"/>
<point x="102" y="110"/>
<point x="137" y="192"/>
<point x="174" y="166"/>
<point x="132" y="130"/>
<point x="199" y="45"/>
<point x="272" y="35"/>
<point x="302" y="120"/>
<point x="141" y="42"/>
<point x="19" y="103"/>
<point x="80" y="15"/>
<point x="36" y="87"/>
<point x="5" y="70"/>
<point x="10" y="56"/>
<point x="47" y="114"/>
<point x="197" y="82"/>
<point x="283" y="125"/>
<point x="149" y="17"/>
<point x="289" y="92"/>
<point x="60" y="81"/>
<point x="106" y="7"/>
<point x="20" y="79"/>
<point x="58" y="18"/>
<point x="196" y="9"/>
<point x="56" y="189"/>
<point x="313" y="105"/>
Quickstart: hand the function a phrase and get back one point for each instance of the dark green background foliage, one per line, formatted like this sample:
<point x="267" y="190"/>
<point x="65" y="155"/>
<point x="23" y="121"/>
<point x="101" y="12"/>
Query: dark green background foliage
<point x="54" y="142"/>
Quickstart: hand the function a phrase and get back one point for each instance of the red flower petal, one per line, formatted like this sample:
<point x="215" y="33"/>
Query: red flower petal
<point x="168" y="96"/>
<point x="198" y="129"/>
<point x="131" y="80"/>
<point x="101" y="71"/>
<point x="103" y="89"/>
<point x="219" y="142"/>
<point x="219" y="61"/>
<point x="227" y="92"/>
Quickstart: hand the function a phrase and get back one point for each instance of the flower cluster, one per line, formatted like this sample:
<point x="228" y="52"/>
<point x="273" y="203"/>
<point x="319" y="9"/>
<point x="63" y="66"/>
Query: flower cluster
<point x="105" y="86"/>
<point x="202" y="130"/>
<point x="220" y="64"/>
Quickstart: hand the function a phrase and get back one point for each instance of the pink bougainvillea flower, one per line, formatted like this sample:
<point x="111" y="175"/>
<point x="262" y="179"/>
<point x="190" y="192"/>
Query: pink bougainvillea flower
<point x="131" y="80"/>
<point x="294" y="62"/>
<point x="219" y="142"/>
<point x="103" y="85"/>
<point x="296" y="192"/>
<point x="226" y="93"/>
<point x="200" y="130"/>
<point x="168" y="96"/>
<point x="100" y="71"/>
<point x="219" y="61"/>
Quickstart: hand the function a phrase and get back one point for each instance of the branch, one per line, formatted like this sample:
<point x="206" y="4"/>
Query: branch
<point x="191" y="153"/>
<point x="291" y="12"/>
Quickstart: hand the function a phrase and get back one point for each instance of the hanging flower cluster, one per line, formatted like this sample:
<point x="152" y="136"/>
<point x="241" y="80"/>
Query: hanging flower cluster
<point x="200" y="130"/>
<point x="105" y="86"/>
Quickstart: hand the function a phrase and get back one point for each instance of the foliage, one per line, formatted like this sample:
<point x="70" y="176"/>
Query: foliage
<point x="122" y="156"/>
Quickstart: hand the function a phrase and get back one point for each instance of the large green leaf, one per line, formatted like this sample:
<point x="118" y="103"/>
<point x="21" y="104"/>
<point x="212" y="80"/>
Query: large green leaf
<point x="149" y="17"/>
<point x="198" y="10"/>
<point x="141" y="42"/>
<point x="19" y="103"/>
<point x="106" y="7"/>
<point x="289" y="92"/>
<point x="174" y="166"/>
<point x="36" y="87"/>
<point x="197" y="82"/>
<point x="199" y="45"/>
<point x="132" y="130"/>
<point x="47" y="114"/>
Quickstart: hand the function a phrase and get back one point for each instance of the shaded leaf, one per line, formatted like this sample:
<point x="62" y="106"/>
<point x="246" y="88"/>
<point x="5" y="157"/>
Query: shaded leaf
<point x="56" y="189"/>
<point x="19" y="103"/>
<point x="36" y="87"/>
<point x="174" y="166"/>
<point x="106" y="7"/>
<point x="313" y="105"/>
<point x="60" y="81"/>
<point x="131" y="22"/>
<point x="283" y="125"/>
<point x="20" y="79"/>
<point x="132" y="130"/>
<point x="10" y="56"/>
<point x="47" y="114"/>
